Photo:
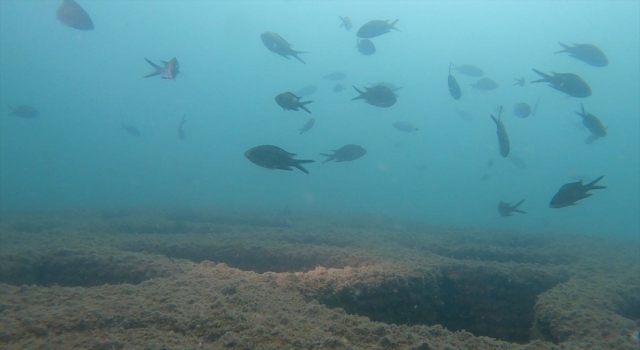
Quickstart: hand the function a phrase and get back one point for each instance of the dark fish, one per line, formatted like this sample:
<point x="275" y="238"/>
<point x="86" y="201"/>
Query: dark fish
<point x="346" y="22"/>
<point x="335" y="76"/>
<point x="338" y="88"/>
<point x="568" y="83"/>
<point x="404" y="126"/>
<point x="366" y="47"/>
<point x="73" y="15"/>
<point x="277" y="44"/>
<point x="503" y="138"/>
<point x="485" y="84"/>
<point x="468" y="70"/>
<point x="308" y="125"/>
<point x="24" y="111"/>
<point x="519" y="82"/>
<point x="522" y="110"/>
<point x="593" y="124"/>
<point x="518" y="162"/>
<point x="506" y="209"/>
<point x="587" y="53"/>
<point x="169" y="71"/>
<point x="572" y="192"/>
<point x="379" y="96"/>
<point x="390" y="86"/>
<point x="132" y="130"/>
<point x="345" y="154"/>
<point x="273" y="157"/>
<point x="375" y="28"/>
<point x="289" y="101"/>
<point x="181" y="133"/>
<point x="307" y="90"/>
<point x="454" y="88"/>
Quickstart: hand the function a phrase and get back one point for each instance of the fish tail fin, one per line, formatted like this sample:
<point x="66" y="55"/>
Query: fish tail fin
<point x="295" y="54"/>
<point x="151" y="63"/>
<point x="392" y="25"/>
<point x="305" y="108"/>
<point x="359" y="92"/>
<point x="565" y="48"/>
<point x="515" y="208"/>
<point x="545" y="77"/>
<point x="300" y="167"/>
<point x="330" y="157"/>
<point x="592" y="185"/>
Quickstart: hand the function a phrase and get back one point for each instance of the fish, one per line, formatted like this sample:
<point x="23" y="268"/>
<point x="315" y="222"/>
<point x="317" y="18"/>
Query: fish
<point x="131" y="130"/>
<point x="469" y="70"/>
<point x="522" y="110"/>
<point x="586" y="53"/>
<point x="379" y="96"/>
<point x="572" y="192"/>
<point x="503" y="138"/>
<point x="404" y="126"/>
<point x="569" y="83"/>
<point x="454" y="88"/>
<point x="593" y="124"/>
<point x="338" y="88"/>
<point x="274" y="157"/>
<point x="71" y="14"/>
<point x="308" y="125"/>
<point x="169" y="71"/>
<point x="277" y="44"/>
<point x="307" y="90"/>
<point x="465" y="115"/>
<point x="289" y="101"/>
<point x="519" y="82"/>
<point x="506" y="209"/>
<point x="24" y="111"/>
<point x="181" y="133"/>
<point x="346" y="22"/>
<point x="335" y="76"/>
<point x="366" y="47"/>
<point x="390" y="86"/>
<point x="376" y="28"/>
<point x="518" y="162"/>
<point x="485" y="84"/>
<point x="345" y="153"/>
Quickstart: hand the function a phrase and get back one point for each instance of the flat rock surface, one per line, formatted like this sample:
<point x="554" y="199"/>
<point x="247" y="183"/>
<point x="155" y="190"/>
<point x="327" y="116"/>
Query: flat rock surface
<point x="128" y="279"/>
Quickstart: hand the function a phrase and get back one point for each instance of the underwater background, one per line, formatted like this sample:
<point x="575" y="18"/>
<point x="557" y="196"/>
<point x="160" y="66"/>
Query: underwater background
<point x="85" y="84"/>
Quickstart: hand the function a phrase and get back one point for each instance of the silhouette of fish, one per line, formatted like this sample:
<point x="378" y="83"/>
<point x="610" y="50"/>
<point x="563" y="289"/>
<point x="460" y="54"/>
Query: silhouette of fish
<point x="586" y="53"/>
<point x="71" y="14"/>
<point x="405" y="126"/>
<point x="572" y="192"/>
<point x="24" y="111"/>
<point x="308" y="125"/>
<point x="130" y="129"/>
<point x="338" y="88"/>
<point x="522" y="110"/>
<point x="519" y="82"/>
<point x="277" y="44"/>
<point x="334" y="76"/>
<point x="503" y="138"/>
<point x="568" y="83"/>
<point x="506" y="209"/>
<point x="593" y="124"/>
<point x="345" y="153"/>
<point x="273" y="157"/>
<point x="307" y="90"/>
<point x="379" y="96"/>
<point x="289" y="101"/>
<point x="366" y="47"/>
<point x="485" y="84"/>
<point x="454" y="88"/>
<point x="468" y="70"/>
<point x="346" y="22"/>
<point x="375" y="28"/>
<point x="169" y="70"/>
<point x="181" y="133"/>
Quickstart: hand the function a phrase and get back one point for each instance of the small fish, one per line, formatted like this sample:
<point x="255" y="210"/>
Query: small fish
<point x="181" y="133"/>
<point x="289" y="101"/>
<point x="454" y="88"/>
<point x="522" y="110"/>
<point x="338" y="88"/>
<point x="485" y="84"/>
<point x="24" y="111"/>
<point x="169" y="71"/>
<point x="503" y="138"/>
<point x="73" y="15"/>
<point x="465" y="115"/>
<point x="132" y="130"/>
<point x="277" y="44"/>
<point x="308" y="125"/>
<point x="379" y="96"/>
<point x="506" y="209"/>
<point x="375" y="28"/>
<point x="572" y="192"/>
<point x="335" y="76"/>
<point x="307" y="90"/>
<point x="469" y="70"/>
<point x="593" y="124"/>
<point x="586" y="53"/>
<point x="345" y="154"/>
<point x="366" y="47"/>
<point x="346" y="22"/>
<point x="519" y="82"/>
<point x="568" y="83"/>
<point x="518" y="162"/>
<point x="405" y="126"/>
<point x="273" y="157"/>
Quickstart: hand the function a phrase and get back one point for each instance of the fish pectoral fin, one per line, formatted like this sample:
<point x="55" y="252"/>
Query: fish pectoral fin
<point x="153" y="64"/>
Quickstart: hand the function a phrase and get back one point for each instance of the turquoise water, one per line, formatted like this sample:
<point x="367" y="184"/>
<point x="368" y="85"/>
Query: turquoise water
<point x="86" y="83"/>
